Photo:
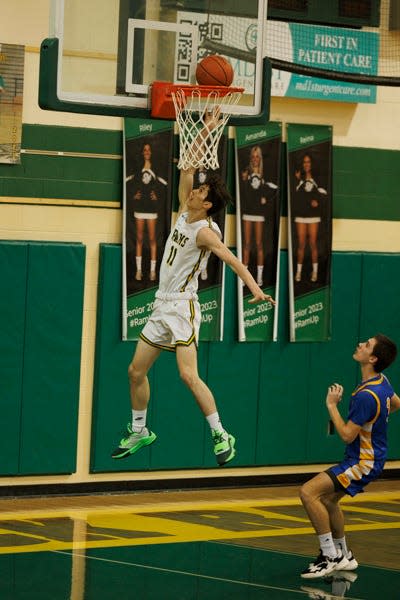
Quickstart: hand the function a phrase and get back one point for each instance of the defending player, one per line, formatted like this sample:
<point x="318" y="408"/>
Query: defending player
<point x="365" y="435"/>
<point x="175" y="321"/>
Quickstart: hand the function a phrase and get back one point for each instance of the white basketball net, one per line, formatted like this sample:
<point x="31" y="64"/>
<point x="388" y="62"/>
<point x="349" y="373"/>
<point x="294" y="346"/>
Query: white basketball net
<point x="198" y="143"/>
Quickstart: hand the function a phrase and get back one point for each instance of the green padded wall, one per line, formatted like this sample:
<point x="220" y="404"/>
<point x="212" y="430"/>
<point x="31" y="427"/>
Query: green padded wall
<point x="13" y="275"/>
<point x="176" y="418"/>
<point x="40" y="322"/>
<point x="283" y="400"/>
<point x="234" y="370"/>
<point x="111" y="390"/>
<point x="51" y="362"/>
<point x="333" y="362"/>
<point x="111" y="409"/>
<point x="380" y="314"/>
<point x="271" y="395"/>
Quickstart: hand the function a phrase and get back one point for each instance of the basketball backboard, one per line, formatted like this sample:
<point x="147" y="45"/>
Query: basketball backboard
<point x="102" y="56"/>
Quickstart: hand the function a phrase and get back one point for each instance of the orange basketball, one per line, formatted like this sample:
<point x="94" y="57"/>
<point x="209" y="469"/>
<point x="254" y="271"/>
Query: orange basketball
<point x="214" y="70"/>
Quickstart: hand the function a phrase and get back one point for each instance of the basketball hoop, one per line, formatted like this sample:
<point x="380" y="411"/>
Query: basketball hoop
<point x="190" y="105"/>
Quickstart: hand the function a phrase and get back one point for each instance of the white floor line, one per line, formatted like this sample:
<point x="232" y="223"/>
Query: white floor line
<point x="189" y="574"/>
<point x="305" y="556"/>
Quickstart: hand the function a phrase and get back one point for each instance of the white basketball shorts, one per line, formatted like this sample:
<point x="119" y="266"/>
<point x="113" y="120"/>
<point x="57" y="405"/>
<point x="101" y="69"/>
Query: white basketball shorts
<point x="173" y="323"/>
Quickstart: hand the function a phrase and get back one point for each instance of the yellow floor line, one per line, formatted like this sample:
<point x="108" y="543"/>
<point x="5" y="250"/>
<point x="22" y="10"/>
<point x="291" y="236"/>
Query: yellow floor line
<point x="158" y="523"/>
<point x="170" y="532"/>
<point x="187" y="506"/>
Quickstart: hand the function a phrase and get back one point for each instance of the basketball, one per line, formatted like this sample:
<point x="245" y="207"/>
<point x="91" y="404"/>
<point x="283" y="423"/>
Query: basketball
<point x="214" y="70"/>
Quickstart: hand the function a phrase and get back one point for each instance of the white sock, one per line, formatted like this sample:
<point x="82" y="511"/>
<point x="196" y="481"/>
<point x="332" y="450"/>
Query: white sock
<point x="153" y="266"/>
<point x="299" y="268"/>
<point x="138" y="263"/>
<point x="138" y="420"/>
<point x="260" y="269"/>
<point x="340" y="545"/>
<point x="215" y="422"/>
<point x="327" y="546"/>
<point x="315" y="267"/>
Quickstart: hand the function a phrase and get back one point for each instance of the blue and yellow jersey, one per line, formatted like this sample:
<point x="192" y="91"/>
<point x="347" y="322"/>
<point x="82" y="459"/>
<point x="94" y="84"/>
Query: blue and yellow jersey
<point x="369" y="408"/>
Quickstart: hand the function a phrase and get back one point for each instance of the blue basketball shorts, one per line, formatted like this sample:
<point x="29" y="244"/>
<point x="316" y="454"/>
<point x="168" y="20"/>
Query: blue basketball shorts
<point x="352" y="475"/>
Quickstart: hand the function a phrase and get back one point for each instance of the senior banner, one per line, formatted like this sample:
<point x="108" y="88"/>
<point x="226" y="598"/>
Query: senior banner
<point x="11" y="92"/>
<point x="148" y="146"/>
<point x="258" y="168"/>
<point x="150" y="184"/>
<point x="309" y="169"/>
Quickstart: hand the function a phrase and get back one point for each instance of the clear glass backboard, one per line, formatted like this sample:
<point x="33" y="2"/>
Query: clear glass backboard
<point x="102" y="56"/>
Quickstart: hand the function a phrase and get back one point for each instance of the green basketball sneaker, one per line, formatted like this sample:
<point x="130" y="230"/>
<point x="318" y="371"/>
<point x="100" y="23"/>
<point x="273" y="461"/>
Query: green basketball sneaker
<point x="224" y="446"/>
<point x="133" y="442"/>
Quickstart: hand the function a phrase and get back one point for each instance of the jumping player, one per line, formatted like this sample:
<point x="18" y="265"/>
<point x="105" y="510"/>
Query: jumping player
<point x="175" y="321"/>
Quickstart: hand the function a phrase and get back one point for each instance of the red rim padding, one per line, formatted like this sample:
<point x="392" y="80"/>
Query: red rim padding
<point x="162" y="105"/>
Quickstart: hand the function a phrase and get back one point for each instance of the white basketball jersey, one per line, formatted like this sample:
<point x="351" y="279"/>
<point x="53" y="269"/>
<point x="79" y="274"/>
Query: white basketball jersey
<point x="183" y="259"/>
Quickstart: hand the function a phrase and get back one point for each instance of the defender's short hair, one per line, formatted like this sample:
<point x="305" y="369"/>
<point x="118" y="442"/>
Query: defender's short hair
<point x="385" y="350"/>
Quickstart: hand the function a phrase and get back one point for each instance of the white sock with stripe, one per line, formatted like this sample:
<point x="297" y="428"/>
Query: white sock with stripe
<point x="215" y="422"/>
<point x="327" y="546"/>
<point x="340" y="545"/>
<point x="138" y="420"/>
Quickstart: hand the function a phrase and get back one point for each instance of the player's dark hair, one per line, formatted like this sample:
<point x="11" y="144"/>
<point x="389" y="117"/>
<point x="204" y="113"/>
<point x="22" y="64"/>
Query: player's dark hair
<point x="217" y="194"/>
<point x="385" y="351"/>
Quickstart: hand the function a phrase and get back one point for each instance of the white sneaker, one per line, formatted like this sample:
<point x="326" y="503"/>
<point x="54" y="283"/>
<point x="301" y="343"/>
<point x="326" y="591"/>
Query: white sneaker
<point x="322" y="566"/>
<point x="133" y="441"/>
<point x="343" y="562"/>
<point x="352" y="564"/>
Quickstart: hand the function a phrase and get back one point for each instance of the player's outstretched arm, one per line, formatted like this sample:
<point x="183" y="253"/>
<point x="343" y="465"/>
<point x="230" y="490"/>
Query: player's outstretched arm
<point x="210" y="121"/>
<point x="206" y="238"/>
<point x="185" y="187"/>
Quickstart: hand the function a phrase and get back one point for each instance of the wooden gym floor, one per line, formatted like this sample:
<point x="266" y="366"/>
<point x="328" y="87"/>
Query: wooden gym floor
<point x="243" y="544"/>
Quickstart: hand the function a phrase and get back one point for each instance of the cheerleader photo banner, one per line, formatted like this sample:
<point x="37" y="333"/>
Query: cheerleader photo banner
<point x="309" y="168"/>
<point x="148" y="150"/>
<point x="258" y="168"/>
